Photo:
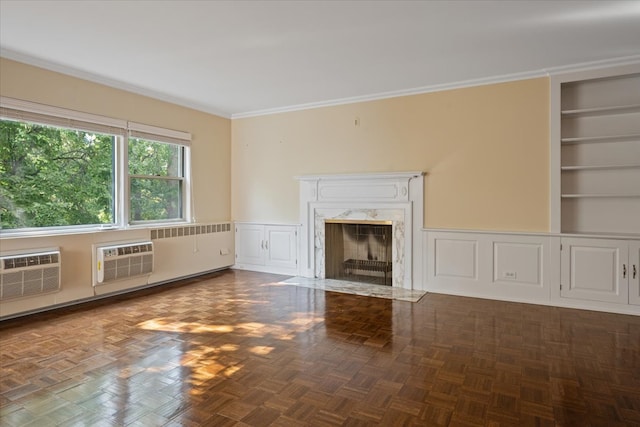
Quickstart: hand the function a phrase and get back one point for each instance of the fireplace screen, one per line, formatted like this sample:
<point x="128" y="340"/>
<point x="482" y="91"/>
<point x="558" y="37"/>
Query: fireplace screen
<point x="359" y="251"/>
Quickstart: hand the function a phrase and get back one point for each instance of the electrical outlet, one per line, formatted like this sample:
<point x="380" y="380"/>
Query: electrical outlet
<point x="510" y="275"/>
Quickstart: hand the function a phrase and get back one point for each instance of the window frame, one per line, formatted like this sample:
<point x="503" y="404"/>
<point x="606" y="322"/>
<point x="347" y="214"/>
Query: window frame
<point x="180" y="177"/>
<point x="30" y="112"/>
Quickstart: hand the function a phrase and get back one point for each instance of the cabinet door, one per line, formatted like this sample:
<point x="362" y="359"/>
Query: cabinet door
<point x="250" y="244"/>
<point x="634" y="273"/>
<point x="281" y="246"/>
<point x="592" y="269"/>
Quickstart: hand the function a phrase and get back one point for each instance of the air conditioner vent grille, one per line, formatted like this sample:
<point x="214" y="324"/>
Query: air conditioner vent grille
<point x="123" y="261"/>
<point x="29" y="274"/>
<point x="30" y="260"/>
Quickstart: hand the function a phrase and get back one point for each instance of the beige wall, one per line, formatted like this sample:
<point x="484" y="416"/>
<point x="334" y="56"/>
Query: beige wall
<point x="211" y="176"/>
<point x="211" y="134"/>
<point x="485" y="151"/>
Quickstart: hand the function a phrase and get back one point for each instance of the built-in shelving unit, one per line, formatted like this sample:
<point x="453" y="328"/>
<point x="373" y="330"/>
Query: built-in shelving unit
<point x="600" y="155"/>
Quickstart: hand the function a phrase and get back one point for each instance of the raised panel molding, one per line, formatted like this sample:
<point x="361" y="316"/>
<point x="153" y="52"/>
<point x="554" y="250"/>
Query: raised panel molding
<point x="592" y="269"/>
<point x="281" y="246"/>
<point x="456" y="258"/>
<point x="358" y="191"/>
<point x="517" y="263"/>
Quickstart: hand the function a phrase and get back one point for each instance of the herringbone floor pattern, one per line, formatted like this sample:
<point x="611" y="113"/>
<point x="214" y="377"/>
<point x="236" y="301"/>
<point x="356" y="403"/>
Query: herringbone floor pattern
<point x="235" y="349"/>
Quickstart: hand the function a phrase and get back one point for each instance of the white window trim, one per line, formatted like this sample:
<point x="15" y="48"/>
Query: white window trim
<point x="170" y="135"/>
<point x="63" y="113"/>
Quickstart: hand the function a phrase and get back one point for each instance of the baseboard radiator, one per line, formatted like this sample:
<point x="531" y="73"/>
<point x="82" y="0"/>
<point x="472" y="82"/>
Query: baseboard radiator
<point x="30" y="274"/>
<point x="122" y="261"/>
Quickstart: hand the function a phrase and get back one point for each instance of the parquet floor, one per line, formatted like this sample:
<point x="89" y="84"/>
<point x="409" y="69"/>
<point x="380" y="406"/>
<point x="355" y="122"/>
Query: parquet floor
<point x="235" y="349"/>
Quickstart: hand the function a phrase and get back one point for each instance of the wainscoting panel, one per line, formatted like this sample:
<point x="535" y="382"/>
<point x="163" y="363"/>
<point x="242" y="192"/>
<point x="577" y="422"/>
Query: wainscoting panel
<point x="501" y="266"/>
<point x="517" y="263"/>
<point x="456" y="258"/>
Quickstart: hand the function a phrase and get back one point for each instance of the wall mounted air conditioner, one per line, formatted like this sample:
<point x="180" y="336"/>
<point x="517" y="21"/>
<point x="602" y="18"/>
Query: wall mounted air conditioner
<point x="122" y="261"/>
<point x="30" y="273"/>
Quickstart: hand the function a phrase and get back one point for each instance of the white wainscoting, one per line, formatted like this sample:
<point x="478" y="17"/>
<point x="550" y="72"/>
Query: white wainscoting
<point x="503" y="266"/>
<point x="518" y="267"/>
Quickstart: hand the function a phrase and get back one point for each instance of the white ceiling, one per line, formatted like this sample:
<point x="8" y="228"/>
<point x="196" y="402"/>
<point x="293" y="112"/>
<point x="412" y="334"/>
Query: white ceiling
<point x="237" y="58"/>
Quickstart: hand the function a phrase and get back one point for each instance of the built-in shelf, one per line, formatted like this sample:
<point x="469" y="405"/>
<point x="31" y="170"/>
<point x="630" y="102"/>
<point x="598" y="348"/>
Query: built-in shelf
<point x="603" y="138"/>
<point x="598" y="167"/>
<point x="600" y="195"/>
<point x="599" y="176"/>
<point x="602" y="111"/>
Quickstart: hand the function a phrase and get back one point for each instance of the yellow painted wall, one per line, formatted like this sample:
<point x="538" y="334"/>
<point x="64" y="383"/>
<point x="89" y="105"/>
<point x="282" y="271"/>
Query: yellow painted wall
<point x="485" y="150"/>
<point x="211" y="135"/>
<point x="211" y="176"/>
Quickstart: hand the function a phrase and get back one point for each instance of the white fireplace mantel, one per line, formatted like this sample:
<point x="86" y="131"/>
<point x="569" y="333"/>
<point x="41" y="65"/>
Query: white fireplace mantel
<point x="393" y="196"/>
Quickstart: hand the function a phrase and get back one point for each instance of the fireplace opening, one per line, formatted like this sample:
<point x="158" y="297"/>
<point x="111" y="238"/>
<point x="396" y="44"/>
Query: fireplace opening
<point x="359" y="251"/>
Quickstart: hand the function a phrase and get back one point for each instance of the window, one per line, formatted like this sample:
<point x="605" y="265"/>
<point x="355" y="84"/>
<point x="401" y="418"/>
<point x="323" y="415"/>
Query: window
<point x="55" y="177"/>
<point x="61" y="168"/>
<point x="156" y="178"/>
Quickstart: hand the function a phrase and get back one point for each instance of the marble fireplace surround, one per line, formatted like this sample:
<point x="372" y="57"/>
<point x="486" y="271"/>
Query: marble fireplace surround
<point x="396" y="197"/>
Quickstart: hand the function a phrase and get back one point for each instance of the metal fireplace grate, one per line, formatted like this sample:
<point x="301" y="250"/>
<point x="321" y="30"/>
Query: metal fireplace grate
<point x="368" y="265"/>
<point x="352" y="265"/>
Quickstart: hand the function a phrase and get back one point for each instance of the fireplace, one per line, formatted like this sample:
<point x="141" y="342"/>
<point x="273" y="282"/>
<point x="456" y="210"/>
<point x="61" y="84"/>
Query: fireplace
<point x="359" y="251"/>
<point x="393" y="200"/>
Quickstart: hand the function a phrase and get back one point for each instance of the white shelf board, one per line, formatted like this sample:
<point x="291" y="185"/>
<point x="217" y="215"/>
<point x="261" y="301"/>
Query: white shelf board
<point x="600" y="234"/>
<point x="601" y="111"/>
<point x="598" y="167"/>
<point x="600" y="195"/>
<point x="603" y="138"/>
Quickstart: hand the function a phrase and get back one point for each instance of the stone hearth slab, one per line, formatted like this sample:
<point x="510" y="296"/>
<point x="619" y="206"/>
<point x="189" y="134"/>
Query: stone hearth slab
<point x="356" y="288"/>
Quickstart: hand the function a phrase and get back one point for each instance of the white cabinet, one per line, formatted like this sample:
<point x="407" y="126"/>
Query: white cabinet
<point x="600" y="270"/>
<point x="267" y="248"/>
<point x="250" y="244"/>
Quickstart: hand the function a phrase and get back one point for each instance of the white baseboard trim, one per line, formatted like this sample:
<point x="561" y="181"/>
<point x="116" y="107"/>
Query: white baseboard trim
<point x="266" y="269"/>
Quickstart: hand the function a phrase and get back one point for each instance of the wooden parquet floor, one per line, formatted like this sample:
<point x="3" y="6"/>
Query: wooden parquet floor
<point x="235" y="349"/>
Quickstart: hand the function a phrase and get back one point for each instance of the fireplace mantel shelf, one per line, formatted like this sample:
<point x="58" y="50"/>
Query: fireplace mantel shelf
<point x="361" y="176"/>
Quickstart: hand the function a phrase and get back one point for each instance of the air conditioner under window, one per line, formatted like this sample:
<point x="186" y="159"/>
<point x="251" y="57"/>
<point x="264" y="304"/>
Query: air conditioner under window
<point x="29" y="274"/>
<point x="122" y="261"/>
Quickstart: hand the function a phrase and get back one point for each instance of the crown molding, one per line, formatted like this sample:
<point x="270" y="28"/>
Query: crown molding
<point x="116" y="84"/>
<point x="546" y="72"/>
<point x="594" y="65"/>
<point x="396" y="93"/>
